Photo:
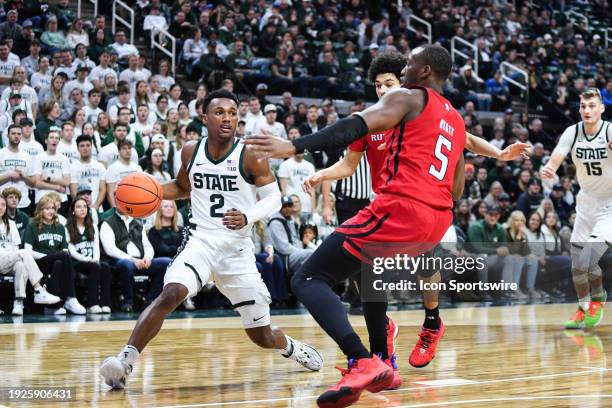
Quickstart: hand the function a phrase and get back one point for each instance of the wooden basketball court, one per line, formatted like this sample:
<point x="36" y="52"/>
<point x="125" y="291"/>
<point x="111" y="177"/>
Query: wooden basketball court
<point x="490" y="356"/>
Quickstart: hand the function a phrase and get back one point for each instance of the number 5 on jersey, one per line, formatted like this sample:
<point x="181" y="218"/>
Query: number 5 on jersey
<point x="440" y="173"/>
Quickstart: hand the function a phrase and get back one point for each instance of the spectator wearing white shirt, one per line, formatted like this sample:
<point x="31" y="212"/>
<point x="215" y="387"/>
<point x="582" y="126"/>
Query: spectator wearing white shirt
<point x="88" y="171"/>
<point x="26" y="95"/>
<point x="18" y="84"/>
<point x="92" y="109"/>
<point x="175" y="97"/>
<point x="270" y="124"/>
<point x="41" y="79"/>
<point x="98" y="73"/>
<point x="19" y="262"/>
<point x="16" y="166"/>
<point x="154" y="20"/>
<point x="143" y="124"/>
<point x="123" y="101"/>
<point x="14" y="110"/>
<point x="29" y="144"/>
<point x="52" y="170"/>
<point x="254" y="116"/>
<point x="132" y="74"/>
<point x="82" y="58"/>
<point x="81" y="81"/>
<point x="7" y="65"/>
<point x="123" y="48"/>
<point x="109" y="154"/>
<point x="31" y="62"/>
<point x="291" y="175"/>
<point x="164" y="80"/>
<point x="201" y="92"/>
<point x="67" y="146"/>
<point x="119" y="169"/>
<point x="498" y="139"/>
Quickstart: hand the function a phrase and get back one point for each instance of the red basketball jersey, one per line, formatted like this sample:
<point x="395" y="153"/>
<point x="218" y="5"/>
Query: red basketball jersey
<point x="422" y="154"/>
<point x="376" y="158"/>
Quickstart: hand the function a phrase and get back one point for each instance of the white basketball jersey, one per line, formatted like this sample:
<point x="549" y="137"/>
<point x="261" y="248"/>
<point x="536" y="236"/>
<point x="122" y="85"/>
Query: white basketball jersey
<point x="218" y="186"/>
<point x="592" y="156"/>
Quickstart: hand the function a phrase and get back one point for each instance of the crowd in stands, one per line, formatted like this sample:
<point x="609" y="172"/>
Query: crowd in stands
<point x="80" y="108"/>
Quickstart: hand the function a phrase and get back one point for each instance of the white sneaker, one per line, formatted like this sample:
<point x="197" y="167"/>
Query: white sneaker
<point x="73" y="306"/>
<point x="105" y="309"/>
<point x="115" y="372"/>
<point x="45" y="298"/>
<point x="306" y="355"/>
<point x="188" y="303"/>
<point x="60" y="311"/>
<point x="95" y="309"/>
<point x="17" y="308"/>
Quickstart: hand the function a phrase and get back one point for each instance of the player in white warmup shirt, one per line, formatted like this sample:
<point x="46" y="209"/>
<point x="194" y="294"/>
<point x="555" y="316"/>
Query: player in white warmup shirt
<point x="223" y="180"/>
<point x="590" y="144"/>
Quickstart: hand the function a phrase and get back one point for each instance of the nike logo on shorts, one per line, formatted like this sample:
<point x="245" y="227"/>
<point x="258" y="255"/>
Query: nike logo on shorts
<point x="259" y="318"/>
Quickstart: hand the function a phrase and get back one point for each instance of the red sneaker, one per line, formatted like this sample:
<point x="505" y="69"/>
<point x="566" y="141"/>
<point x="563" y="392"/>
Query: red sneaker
<point x="425" y="349"/>
<point x="392" y="333"/>
<point x="397" y="378"/>
<point x="365" y="373"/>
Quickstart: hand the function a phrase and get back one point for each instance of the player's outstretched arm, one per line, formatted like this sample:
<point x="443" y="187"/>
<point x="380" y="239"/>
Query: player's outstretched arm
<point x="559" y="153"/>
<point x="341" y="169"/>
<point x="269" y="202"/>
<point x="480" y="146"/>
<point x="388" y="112"/>
<point x="180" y="188"/>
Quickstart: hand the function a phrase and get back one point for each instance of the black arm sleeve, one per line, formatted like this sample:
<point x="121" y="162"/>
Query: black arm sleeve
<point x="340" y="134"/>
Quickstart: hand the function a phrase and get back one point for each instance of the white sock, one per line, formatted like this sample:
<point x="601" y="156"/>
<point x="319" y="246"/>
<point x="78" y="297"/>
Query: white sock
<point x="584" y="302"/>
<point x="19" y="301"/>
<point x="288" y="350"/>
<point x="129" y="354"/>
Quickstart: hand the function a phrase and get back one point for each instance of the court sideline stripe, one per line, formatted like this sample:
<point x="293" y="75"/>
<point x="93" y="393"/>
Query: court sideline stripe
<point x="477" y="401"/>
<point x="212" y="404"/>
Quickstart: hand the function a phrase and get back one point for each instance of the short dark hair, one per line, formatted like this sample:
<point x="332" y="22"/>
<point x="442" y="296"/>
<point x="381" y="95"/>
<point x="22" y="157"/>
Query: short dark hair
<point x="219" y="93"/>
<point x="387" y="63"/>
<point x="439" y="59"/>
<point x="120" y="124"/>
<point x="124" y="142"/>
<point x="84" y="138"/>
<point x="124" y="108"/>
<point x="13" y="126"/>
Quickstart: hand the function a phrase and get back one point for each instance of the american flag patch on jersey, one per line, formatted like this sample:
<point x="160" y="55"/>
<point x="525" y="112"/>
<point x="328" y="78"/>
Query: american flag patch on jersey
<point x="231" y="165"/>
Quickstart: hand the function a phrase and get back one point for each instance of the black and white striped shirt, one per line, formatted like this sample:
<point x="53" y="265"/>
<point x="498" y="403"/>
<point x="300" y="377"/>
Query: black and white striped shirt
<point x="357" y="186"/>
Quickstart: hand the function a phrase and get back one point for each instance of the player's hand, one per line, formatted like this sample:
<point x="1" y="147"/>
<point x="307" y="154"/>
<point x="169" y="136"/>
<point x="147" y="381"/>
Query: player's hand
<point x="311" y="182"/>
<point x="234" y="219"/>
<point x="515" y="150"/>
<point x="328" y="215"/>
<point x="547" y="172"/>
<point x="270" y="146"/>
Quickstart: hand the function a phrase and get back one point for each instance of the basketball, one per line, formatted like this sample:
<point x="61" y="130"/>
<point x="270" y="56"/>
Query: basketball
<point x="138" y="195"/>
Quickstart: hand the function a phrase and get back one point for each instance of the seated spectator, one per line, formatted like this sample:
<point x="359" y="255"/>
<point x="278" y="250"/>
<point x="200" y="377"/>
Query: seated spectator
<point x="41" y="78"/>
<point x="155" y="166"/>
<point x="269" y="264"/>
<point x="12" y="196"/>
<point x="122" y="47"/>
<point x="10" y="28"/>
<point x="309" y="235"/>
<point x="45" y="237"/>
<point x="84" y="248"/>
<point x="282" y="71"/>
<point x="77" y="34"/>
<point x="500" y="92"/>
<point x="126" y="247"/>
<point x="488" y="239"/>
<point x="154" y="20"/>
<point x="212" y="66"/>
<point x="470" y="87"/>
<point x="166" y="236"/>
<point x="521" y="254"/>
<point x="53" y="39"/>
<point x="19" y="262"/>
<point x="530" y="200"/>
<point x="193" y="49"/>
<point x="285" y="238"/>
<point x="495" y="192"/>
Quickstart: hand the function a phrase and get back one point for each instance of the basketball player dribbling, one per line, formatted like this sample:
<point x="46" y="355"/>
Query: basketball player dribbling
<point x="590" y="145"/>
<point x="385" y="71"/>
<point x="424" y="153"/>
<point x="223" y="180"/>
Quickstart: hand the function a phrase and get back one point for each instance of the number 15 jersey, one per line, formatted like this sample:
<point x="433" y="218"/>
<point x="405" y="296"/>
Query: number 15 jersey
<point x="216" y="187"/>
<point x="592" y="156"/>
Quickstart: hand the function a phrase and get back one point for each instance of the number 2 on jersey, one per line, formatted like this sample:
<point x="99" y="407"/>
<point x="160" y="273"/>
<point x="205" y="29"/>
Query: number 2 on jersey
<point x="217" y="202"/>
<point x="442" y="142"/>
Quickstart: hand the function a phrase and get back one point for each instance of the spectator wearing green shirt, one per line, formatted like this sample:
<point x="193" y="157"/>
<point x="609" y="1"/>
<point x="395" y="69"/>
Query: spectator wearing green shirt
<point x="489" y="240"/>
<point x="47" y="239"/>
